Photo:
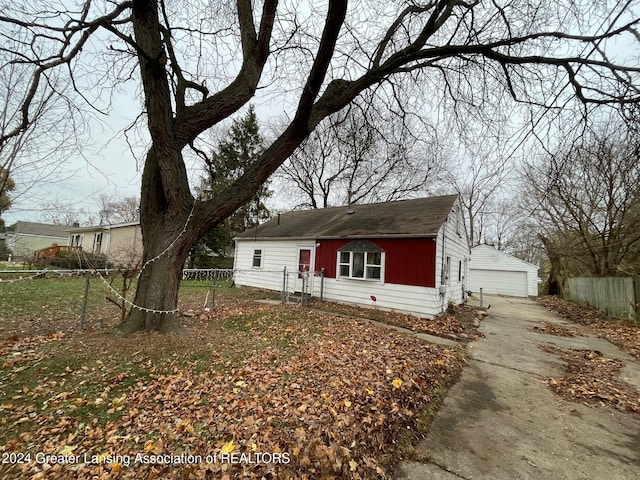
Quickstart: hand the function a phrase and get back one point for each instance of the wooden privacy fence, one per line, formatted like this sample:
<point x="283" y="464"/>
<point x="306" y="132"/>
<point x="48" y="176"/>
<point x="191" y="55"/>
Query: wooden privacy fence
<point x="617" y="296"/>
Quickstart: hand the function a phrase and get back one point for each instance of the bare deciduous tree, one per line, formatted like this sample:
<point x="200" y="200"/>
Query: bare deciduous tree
<point x="585" y="200"/>
<point x="196" y="68"/>
<point x="118" y="210"/>
<point x="478" y="172"/>
<point x="34" y="154"/>
<point x="66" y="213"/>
<point x="361" y="156"/>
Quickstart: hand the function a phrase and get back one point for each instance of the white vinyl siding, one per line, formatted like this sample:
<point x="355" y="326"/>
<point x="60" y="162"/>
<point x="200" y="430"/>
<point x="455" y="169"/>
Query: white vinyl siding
<point x="419" y="301"/>
<point x="275" y="256"/>
<point x="453" y="279"/>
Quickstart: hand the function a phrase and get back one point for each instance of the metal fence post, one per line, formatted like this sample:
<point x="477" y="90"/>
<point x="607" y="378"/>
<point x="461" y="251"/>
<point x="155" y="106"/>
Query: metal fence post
<point x="284" y="285"/>
<point x="84" y="300"/>
<point x="481" y="299"/>
<point x="305" y="282"/>
<point x="322" y="284"/>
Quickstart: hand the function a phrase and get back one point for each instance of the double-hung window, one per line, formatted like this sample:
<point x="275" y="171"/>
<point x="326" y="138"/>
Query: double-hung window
<point x="360" y="260"/>
<point x="97" y="242"/>
<point x="257" y="258"/>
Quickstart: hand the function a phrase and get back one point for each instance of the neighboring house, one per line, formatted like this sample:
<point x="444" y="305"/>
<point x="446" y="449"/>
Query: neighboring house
<point x="500" y="273"/>
<point x="24" y="238"/>
<point x="409" y="256"/>
<point x="121" y="243"/>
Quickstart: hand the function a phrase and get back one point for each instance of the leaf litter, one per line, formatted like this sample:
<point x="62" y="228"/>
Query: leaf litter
<point x="591" y="377"/>
<point x="251" y="391"/>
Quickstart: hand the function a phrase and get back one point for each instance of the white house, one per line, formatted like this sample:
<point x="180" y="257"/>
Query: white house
<point x="409" y="256"/>
<point x="500" y="273"/>
<point x="24" y="238"/>
<point x="121" y="243"/>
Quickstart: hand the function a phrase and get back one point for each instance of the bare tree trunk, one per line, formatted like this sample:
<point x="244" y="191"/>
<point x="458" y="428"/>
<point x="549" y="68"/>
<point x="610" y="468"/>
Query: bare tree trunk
<point x="555" y="282"/>
<point x="156" y="298"/>
<point x="168" y="234"/>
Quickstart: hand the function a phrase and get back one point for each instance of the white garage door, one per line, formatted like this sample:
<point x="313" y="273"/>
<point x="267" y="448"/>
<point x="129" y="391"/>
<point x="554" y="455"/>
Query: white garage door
<point x="498" y="282"/>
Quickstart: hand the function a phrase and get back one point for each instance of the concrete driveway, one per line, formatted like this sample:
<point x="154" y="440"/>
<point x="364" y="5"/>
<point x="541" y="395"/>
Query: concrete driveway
<point x="501" y="421"/>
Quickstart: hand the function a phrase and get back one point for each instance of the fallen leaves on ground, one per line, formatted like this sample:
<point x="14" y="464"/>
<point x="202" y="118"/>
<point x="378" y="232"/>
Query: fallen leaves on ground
<point x="549" y="328"/>
<point x="459" y="323"/>
<point x="625" y="336"/>
<point x="592" y="378"/>
<point x="250" y="391"/>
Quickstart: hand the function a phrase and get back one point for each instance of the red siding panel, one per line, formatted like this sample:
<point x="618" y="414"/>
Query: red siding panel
<point x="408" y="261"/>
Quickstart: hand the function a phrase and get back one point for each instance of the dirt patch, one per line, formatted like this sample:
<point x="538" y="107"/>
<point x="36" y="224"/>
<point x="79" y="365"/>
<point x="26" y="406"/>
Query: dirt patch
<point x="591" y="377"/>
<point x="555" y="329"/>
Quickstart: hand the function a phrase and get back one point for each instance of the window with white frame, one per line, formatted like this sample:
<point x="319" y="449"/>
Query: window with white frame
<point x="257" y="258"/>
<point x="76" y="240"/>
<point x="97" y="242"/>
<point x="362" y="260"/>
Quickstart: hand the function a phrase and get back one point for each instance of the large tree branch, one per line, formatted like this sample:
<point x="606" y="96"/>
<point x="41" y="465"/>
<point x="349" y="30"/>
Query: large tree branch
<point x="67" y="52"/>
<point x="195" y="119"/>
<point x="242" y="190"/>
<point x="339" y="92"/>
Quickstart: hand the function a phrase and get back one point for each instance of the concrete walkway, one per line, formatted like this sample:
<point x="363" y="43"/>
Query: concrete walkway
<point x="501" y="421"/>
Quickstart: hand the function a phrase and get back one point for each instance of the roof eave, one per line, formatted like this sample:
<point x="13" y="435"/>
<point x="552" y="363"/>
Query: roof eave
<point x="345" y="237"/>
<point x="86" y="229"/>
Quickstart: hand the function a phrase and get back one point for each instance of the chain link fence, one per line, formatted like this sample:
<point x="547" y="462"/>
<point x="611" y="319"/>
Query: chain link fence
<point x="87" y="298"/>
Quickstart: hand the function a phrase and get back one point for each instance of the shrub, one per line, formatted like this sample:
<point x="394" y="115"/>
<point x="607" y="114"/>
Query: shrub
<point x="72" y="260"/>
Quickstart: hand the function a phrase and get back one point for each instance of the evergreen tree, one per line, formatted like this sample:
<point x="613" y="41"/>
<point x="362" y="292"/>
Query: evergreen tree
<point x="6" y="186"/>
<point x="233" y="156"/>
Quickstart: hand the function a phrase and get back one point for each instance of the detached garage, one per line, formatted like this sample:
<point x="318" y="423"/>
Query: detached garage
<point x="500" y="273"/>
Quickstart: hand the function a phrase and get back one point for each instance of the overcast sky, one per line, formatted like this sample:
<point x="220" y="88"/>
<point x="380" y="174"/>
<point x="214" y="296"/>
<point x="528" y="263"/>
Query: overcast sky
<point x="106" y="165"/>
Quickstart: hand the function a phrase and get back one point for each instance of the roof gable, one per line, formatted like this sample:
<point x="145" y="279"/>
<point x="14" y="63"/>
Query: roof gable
<point x="489" y="256"/>
<point x="418" y="217"/>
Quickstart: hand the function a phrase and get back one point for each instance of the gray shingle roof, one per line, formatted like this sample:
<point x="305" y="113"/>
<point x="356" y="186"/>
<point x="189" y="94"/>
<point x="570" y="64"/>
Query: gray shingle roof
<point x="418" y="217"/>
<point x="40" y="229"/>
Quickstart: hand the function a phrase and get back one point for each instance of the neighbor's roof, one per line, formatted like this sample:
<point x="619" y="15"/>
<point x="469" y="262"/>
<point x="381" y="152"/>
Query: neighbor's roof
<point x="38" y="229"/>
<point x="419" y="217"/>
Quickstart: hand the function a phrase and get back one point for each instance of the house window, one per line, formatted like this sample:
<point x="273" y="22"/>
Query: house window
<point x="76" y="240"/>
<point x="97" y="242"/>
<point x="257" y="258"/>
<point x="360" y="260"/>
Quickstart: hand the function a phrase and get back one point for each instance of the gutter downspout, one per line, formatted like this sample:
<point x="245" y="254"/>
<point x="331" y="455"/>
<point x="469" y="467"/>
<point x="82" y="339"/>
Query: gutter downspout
<point x="443" y="274"/>
<point x="442" y="265"/>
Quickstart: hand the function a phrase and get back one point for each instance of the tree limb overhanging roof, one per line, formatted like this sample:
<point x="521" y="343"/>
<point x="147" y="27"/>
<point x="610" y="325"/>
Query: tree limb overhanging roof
<point x="419" y="217"/>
